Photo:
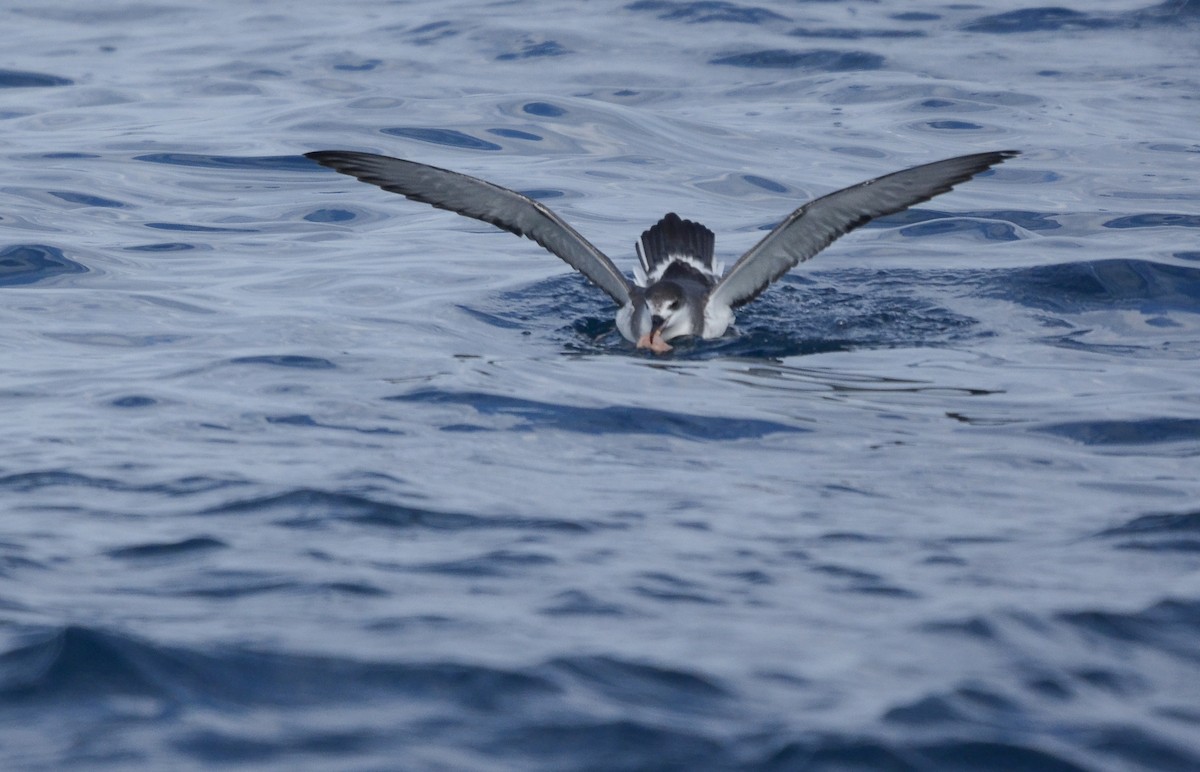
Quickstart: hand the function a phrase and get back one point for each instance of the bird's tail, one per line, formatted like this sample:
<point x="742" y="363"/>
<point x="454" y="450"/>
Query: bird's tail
<point x="673" y="239"/>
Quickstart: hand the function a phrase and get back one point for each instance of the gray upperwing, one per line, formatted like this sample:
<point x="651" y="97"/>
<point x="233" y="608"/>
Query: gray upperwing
<point x="482" y="200"/>
<point x="818" y="223"/>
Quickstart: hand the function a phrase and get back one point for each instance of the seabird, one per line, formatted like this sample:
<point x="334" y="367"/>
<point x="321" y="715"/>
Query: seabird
<point x="678" y="289"/>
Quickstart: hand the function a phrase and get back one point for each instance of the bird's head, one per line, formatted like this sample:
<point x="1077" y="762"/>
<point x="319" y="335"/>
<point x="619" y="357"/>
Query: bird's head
<point x="665" y="316"/>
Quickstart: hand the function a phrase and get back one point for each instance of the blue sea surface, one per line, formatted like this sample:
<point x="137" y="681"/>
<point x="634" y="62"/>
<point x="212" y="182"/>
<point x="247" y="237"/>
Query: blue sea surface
<point x="297" y="474"/>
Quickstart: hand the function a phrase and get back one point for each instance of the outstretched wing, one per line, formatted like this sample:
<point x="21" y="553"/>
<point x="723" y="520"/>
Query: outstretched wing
<point x="482" y="200"/>
<point x="818" y="223"/>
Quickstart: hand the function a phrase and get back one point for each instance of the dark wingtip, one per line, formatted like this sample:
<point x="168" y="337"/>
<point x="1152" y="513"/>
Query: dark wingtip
<point x="338" y="160"/>
<point x="325" y="157"/>
<point x="995" y="158"/>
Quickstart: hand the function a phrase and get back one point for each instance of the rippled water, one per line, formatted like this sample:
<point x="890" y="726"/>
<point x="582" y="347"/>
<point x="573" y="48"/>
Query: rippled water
<point x="300" y="475"/>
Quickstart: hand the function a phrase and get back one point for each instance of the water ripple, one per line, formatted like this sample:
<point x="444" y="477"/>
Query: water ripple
<point x="1170" y="626"/>
<point x="612" y="419"/>
<point x="1146" y="431"/>
<point x="267" y="163"/>
<point x="706" y="11"/>
<point x="1158" y="532"/>
<point x="817" y="60"/>
<point x="448" y="137"/>
<point x="1038" y="20"/>
<point x="32" y="263"/>
<point x="82" y="663"/>
<point x="307" y="508"/>
<point x="1103" y="284"/>
<point x="18" y="79"/>
<point x="168" y="550"/>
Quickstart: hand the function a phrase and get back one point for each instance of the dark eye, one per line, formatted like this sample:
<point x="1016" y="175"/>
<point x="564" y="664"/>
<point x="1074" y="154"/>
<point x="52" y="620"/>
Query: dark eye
<point x="672" y="305"/>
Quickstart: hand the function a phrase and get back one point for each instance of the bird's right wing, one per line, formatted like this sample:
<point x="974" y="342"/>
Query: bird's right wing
<point x="814" y="226"/>
<point x="482" y="200"/>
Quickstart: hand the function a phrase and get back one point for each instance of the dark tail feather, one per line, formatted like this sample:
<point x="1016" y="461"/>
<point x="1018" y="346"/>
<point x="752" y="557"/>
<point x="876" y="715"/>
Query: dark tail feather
<point x="674" y="237"/>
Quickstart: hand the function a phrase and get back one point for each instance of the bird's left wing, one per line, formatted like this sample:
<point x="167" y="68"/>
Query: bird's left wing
<point x="814" y="226"/>
<point x="482" y="200"/>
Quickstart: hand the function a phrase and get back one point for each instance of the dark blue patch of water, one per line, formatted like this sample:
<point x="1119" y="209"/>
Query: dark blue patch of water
<point x="87" y="199"/>
<point x="19" y="79"/>
<point x="189" y="227"/>
<point x="307" y="508"/>
<point x="954" y="125"/>
<point x="818" y="60"/>
<point x="544" y="110"/>
<point x="134" y="401"/>
<point x="543" y="193"/>
<point x="1151" y="220"/>
<point x="168" y="549"/>
<point x="764" y="183"/>
<point x="612" y="419"/>
<point x="1101" y="285"/>
<point x="330" y="215"/>
<point x="363" y="65"/>
<point x="283" y="163"/>
<point x="1160" y="532"/>
<point x="166" y="246"/>
<point x="1038" y="20"/>
<point x="22" y="264"/>
<point x="448" y="137"/>
<point x="836" y="33"/>
<point x="514" y="134"/>
<point x="535" y="51"/>
<point x="706" y="11"/>
<point x="1146" y="431"/>
<point x="286" y="360"/>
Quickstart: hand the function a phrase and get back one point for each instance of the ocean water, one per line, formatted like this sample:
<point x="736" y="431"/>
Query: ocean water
<point x="297" y="474"/>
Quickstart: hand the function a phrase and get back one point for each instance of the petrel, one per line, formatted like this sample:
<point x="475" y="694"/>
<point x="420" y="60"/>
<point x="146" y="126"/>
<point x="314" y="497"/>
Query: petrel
<point x="678" y="289"/>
